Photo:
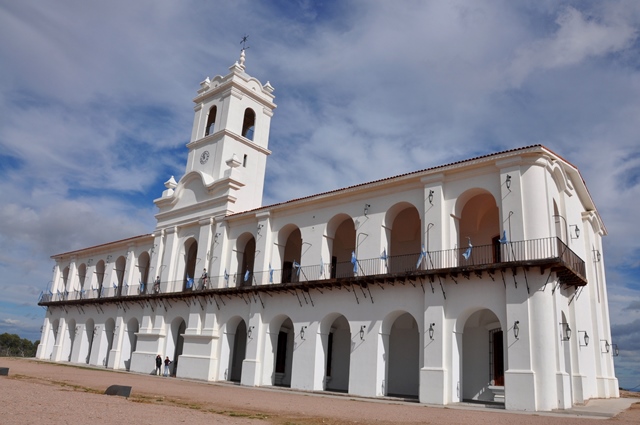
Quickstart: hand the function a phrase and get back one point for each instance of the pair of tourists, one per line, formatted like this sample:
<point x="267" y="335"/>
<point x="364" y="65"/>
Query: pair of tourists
<point x="159" y="362"/>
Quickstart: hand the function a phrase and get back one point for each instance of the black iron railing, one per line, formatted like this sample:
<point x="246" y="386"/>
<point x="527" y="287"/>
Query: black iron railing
<point x="536" y="252"/>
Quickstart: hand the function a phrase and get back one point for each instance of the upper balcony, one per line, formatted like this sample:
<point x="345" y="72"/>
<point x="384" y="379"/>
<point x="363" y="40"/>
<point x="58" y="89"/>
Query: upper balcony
<point x="547" y="254"/>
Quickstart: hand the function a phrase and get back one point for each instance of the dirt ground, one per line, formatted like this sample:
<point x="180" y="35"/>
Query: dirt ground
<point x="54" y="394"/>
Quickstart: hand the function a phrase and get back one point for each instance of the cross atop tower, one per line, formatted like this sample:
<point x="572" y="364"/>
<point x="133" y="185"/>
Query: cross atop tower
<point x="244" y="42"/>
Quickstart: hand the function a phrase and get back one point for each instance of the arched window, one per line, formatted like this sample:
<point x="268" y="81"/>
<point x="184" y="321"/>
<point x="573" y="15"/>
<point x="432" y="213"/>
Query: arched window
<point x="191" y="250"/>
<point x="100" y="275"/>
<point x="121" y="266"/>
<point x="211" y="121"/>
<point x="479" y="226"/>
<point x="248" y="123"/>
<point x="143" y="269"/>
<point x="341" y="235"/>
<point x="291" y="252"/>
<point x="248" y="259"/>
<point x="82" y="276"/>
<point x="65" y="281"/>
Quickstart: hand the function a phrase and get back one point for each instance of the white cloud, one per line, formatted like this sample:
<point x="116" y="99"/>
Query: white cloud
<point x="578" y="38"/>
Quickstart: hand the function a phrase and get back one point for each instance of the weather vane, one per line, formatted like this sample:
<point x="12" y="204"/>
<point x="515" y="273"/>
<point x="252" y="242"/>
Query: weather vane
<point x="244" y="42"/>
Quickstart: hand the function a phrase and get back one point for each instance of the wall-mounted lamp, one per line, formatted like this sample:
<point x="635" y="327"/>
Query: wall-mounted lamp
<point x="508" y="182"/>
<point x="616" y="352"/>
<point x="565" y="334"/>
<point x="431" y="330"/>
<point x="596" y="256"/>
<point x="302" y="329"/>
<point x="606" y="346"/>
<point x="430" y="197"/>
<point x="215" y="237"/>
<point x="366" y="209"/>
<point x="362" y="328"/>
<point x="516" y="329"/>
<point x="89" y="261"/>
<point x="260" y="226"/>
<point x="576" y="231"/>
<point x="250" y="331"/>
<point x="585" y="339"/>
<point x="109" y="257"/>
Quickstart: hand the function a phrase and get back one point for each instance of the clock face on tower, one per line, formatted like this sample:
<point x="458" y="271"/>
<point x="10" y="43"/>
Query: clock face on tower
<point x="204" y="157"/>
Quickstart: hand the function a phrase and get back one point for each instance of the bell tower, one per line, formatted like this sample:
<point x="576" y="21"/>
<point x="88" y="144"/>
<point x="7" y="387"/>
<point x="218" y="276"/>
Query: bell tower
<point x="228" y="148"/>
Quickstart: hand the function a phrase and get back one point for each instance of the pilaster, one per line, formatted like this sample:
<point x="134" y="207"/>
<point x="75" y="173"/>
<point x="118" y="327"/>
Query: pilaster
<point x="435" y="375"/>
<point x="168" y="274"/>
<point x="256" y="333"/>
<point x="130" y="271"/>
<point x="263" y="245"/>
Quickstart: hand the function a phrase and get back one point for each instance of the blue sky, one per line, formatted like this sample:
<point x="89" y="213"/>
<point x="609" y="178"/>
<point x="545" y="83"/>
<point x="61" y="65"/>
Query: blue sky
<point x="96" y="107"/>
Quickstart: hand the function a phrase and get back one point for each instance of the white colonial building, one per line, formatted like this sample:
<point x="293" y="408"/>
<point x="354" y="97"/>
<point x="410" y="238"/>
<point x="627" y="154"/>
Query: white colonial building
<point x="481" y="280"/>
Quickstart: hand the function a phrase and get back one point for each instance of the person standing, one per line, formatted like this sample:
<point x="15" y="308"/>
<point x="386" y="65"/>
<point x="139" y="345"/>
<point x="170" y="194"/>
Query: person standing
<point x="156" y="289"/>
<point x="204" y="279"/>
<point x="167" y="362"/>
<point x="158" y="364"/>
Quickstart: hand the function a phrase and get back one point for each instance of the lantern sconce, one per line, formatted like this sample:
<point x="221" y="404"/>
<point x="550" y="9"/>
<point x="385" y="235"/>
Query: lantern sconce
<point x="430" y="197"/>
<point x="516" y="329"/>
<point x="508" y="182"/>
<point x="250" y="331"/>
<point x="302" y="329"/>
<point x="362" y="328"/>
<point x="565" y="334"/>
<point x="431" y="330"/>
<point x="616" y="352"/>
<point x="576" y="231"/>
<point x="366" y="209"/>
<point x="109" y="257"/>
<point x="215" y="237"/>
<point x="596" y="256"/>
<point x="585" y="339"/>
<point x="260" y="226"/>
<point x="607" y="346"/>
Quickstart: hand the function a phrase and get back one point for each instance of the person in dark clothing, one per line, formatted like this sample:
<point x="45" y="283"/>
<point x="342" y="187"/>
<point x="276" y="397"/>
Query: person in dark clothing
<point x="158" y="364"/>
<point x="156" y="290"/>
<point x="167" y="362"/>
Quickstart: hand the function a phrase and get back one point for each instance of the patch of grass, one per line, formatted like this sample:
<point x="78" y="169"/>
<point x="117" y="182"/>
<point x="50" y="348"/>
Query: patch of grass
<point x="236" y="414"/>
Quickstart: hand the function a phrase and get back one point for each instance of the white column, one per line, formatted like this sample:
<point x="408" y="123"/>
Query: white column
<point x="129" y="273"/>
<point x="205" y="239"/>
<point x="59" y="343"/>
<point x="433" y="375"/>
<point x="56" y="283"/>
<point x="116" y="345"/>
<point x="251" y="366"/>
<point x="73" y="283"/>
<point x="263" y="250"/>
<point x="157" y="255"/>
<point x="219" y="259"/>
<point x="168" y="276"/>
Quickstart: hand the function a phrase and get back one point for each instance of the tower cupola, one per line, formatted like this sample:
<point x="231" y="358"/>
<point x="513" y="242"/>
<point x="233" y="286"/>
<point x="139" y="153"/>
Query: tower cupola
<point x="228" y="148"/>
